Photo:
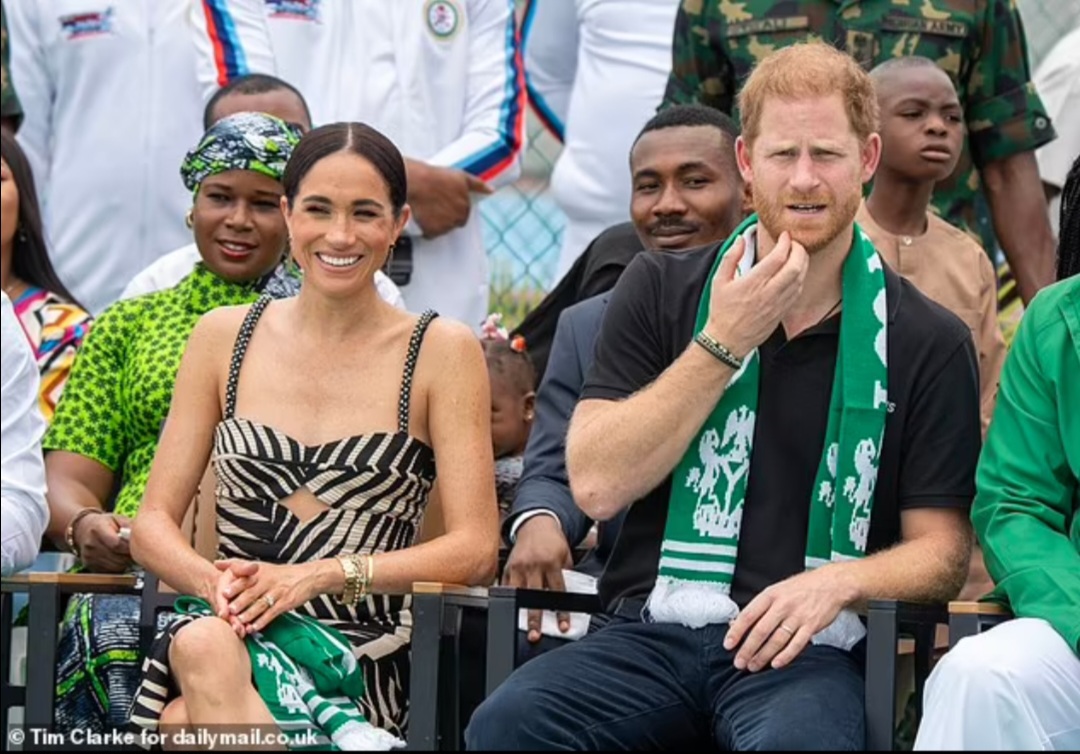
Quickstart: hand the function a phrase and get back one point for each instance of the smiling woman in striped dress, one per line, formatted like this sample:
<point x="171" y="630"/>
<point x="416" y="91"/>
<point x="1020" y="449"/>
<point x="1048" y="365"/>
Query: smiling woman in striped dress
<point x="325" y="455"/>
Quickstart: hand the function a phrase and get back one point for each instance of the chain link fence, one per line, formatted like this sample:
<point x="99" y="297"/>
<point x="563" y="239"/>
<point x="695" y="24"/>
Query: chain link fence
<point x="523" y="226"/>
<point x="523" y="231"/>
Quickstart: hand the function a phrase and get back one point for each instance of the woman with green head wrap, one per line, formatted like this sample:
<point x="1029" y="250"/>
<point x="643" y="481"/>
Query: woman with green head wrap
<point x="104" y="436"/>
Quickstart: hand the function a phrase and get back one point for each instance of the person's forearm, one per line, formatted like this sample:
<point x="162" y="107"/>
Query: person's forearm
<point x="617" y="452"/>
<point x="929" y="569"/>
<point x="461" y="557"/>
<point x="551" y="496"/>
<point x="1021" y="221"/>
<point x="413" y="170"/>
<point x="66" y="498"/>
<point x="159" y="546"/>
<point x="1048" y="549"/>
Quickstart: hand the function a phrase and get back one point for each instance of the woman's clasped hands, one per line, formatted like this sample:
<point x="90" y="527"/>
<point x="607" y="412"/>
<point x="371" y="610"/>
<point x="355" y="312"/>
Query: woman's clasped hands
<point x="250" y="595"/>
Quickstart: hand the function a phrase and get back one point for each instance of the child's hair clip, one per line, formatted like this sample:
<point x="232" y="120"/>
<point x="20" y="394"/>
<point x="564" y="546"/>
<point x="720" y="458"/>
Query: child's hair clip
<point x="517" y="344"/>
<point x="492" y="330"/>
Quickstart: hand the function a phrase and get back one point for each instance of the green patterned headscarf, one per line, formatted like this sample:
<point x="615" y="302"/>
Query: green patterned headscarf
<point x="245" y="141"/>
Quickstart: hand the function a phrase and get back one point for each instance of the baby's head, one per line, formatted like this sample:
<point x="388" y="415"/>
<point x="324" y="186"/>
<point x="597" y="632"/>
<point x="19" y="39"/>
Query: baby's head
<point x="922" y="120"/>
<point x="513" y="400"/>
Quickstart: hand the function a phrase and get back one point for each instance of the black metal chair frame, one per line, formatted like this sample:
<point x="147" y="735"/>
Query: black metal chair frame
<point x="436" y="668"/>
<point x="972" y="618"/>
<point x="47" y="594"/>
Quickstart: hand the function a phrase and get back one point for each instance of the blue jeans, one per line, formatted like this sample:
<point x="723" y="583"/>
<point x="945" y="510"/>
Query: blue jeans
<point x="635" y="685"/>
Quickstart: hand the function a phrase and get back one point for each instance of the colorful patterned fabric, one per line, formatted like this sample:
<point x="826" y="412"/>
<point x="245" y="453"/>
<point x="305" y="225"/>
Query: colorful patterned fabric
<point x="979" y="43"/>
<point x="119" y="392"/>
<point x="55" y="329"/>
<point x="9" y="100"/>
<point x="245" y="141"/>
<point x="1010" y="305"/>
<point x="98" y="662"/>
<point x="112" y="410"/>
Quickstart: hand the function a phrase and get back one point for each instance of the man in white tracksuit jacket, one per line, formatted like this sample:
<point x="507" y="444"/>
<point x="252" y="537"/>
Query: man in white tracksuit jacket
<point x="112" y="104"/>
<point x="441" y="78"/>
<point x="596" y="72"/>
<point x="1057" y="80"/>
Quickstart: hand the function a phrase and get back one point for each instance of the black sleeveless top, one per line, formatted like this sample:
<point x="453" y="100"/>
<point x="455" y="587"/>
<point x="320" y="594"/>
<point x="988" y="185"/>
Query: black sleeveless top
<point x="375" y="488"/>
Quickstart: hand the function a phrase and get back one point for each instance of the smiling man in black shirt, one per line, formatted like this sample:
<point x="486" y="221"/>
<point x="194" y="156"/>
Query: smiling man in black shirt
<point x="794" y="429"/>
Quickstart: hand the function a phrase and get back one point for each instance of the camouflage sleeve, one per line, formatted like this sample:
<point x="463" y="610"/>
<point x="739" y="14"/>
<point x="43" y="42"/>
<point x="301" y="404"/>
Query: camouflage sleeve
<point x="700" y="72"/>
<point x="9" y="101"/>
<point x="1004" y="113"/>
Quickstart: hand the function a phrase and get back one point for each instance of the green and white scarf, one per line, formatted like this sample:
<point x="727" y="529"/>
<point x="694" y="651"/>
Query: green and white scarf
<point x="701" y="538"/>
<point x="307" y="675"/>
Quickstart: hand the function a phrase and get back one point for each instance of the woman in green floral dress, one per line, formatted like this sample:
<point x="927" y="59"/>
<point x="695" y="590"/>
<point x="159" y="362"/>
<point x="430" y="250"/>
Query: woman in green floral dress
<point x="104" y="435"/>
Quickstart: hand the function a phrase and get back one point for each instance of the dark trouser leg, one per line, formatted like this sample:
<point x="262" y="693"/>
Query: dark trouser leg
<point x="628" y="686"/>
<point x="815" y="703"/>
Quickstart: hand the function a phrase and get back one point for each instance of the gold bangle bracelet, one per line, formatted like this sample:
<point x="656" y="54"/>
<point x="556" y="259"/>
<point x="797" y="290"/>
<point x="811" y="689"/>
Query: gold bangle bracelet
<point x="369" y="576"/>
<point x="358" y="589"/>
<point x="352" y="581"/>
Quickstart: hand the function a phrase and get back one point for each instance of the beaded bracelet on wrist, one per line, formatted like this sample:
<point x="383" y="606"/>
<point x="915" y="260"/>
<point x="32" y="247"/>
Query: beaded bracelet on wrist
<point x="69" y="533"/>
<point x="718" y="350"/>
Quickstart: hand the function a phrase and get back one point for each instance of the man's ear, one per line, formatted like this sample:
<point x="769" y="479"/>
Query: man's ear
<point x="871" y="156"/>
<point x="747" y="200"/>
<point x="742" y="160"/>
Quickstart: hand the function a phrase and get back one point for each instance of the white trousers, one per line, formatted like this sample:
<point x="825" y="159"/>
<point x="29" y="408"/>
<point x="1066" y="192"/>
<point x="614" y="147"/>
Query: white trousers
<point x="1016" y="686"/>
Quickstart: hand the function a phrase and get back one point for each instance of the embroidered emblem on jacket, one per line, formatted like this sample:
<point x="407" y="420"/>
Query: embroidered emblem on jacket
<point x="297" y="10"/>
<point x="88" y="24"/>
<point x="443" y="18"/>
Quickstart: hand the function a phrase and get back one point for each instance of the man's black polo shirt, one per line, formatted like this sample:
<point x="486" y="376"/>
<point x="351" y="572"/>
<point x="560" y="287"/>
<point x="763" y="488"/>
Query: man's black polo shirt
<point x="932" y="435"/>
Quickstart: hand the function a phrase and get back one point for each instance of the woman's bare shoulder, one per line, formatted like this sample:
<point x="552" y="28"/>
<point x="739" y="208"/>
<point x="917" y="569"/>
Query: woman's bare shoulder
<point x="216" y="330"/>
<point x="450" y="339"/>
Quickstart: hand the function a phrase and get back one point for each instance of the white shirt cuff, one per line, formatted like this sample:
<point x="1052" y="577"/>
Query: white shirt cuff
<point x="526" y="516"/>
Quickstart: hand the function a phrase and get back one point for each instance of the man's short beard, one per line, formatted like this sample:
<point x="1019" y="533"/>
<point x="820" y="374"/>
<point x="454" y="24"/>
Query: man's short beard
<point x="839" y="218"/>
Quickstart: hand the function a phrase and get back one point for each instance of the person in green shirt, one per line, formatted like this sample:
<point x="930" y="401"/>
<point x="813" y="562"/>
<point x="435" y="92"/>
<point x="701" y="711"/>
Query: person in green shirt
<point x="10" y="109"/>
<point x="104" y="435"/>
<point x="1017" y="686"/>
<point x="979" y="43"/>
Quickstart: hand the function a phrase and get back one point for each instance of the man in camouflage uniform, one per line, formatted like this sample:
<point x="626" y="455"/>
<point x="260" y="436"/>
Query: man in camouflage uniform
<point x="979" y="43"/>
<point x="10" y="110"/>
